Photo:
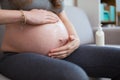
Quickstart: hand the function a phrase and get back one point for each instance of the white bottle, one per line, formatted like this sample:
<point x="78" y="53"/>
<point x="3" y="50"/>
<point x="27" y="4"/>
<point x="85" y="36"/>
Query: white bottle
<point x="100" y="37"/>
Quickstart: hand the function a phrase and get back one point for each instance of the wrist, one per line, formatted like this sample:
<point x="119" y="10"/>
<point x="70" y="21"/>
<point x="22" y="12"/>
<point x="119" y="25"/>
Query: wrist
<point x="28" y="17"/>
<point x="74" y="37"/>
<point x="23" y="17"/>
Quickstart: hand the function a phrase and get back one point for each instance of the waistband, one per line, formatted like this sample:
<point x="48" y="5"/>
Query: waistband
<point x="9" y="52"/>
<point x="5" y="54"/>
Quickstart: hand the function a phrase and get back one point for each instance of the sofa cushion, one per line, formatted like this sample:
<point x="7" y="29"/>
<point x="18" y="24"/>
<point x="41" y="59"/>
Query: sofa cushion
<point x="79" y="19"/>
<point x="107" y="45"/>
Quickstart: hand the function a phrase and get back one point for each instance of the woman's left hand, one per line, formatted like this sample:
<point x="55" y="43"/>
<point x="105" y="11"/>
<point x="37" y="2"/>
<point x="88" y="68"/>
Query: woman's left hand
<point x="66" y="50"/>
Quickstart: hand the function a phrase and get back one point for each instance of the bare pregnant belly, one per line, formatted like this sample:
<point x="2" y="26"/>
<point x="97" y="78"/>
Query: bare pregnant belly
<point x="40" y="39"/>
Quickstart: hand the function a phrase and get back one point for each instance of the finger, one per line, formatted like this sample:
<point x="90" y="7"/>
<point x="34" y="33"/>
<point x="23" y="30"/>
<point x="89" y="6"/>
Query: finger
<point x="74" y="45"/>
<point x="58" y="53"/>
<point x="77" y="44"/>
<point x="60" y="56"/>
<point x="52" y="16"/>
<point x="68" y="46"/>
<point x="50" y="21"/>
<point x="72" y="37"/>
<point x="71" y="45"/>
<point x="63" y="48"/>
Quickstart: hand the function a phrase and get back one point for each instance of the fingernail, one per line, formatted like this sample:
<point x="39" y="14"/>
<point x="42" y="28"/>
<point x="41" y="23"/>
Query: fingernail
<point x="49" y="54"/>
<point x="72" y="38"/>
<point x="51" y="51"/>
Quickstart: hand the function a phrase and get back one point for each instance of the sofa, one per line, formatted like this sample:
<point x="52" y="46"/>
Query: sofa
<point x="87" y="33"/>
<point x="84" y="29"/>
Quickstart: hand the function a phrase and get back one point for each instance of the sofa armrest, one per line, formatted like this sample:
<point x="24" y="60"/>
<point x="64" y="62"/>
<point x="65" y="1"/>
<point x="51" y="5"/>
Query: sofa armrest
<point x="112" y="35"/>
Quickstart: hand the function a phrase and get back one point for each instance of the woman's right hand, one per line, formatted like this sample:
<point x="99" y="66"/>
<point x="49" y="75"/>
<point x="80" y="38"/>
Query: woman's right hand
<point x="38" y="16"/>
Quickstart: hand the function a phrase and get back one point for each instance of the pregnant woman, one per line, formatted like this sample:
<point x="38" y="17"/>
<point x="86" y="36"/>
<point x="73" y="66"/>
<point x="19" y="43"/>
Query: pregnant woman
<point x="34" y="29"/>
<point x="40" y="43"/>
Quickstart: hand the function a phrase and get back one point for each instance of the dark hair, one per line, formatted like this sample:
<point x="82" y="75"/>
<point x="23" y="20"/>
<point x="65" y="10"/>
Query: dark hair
<point x="56" y="3"/>
<point x="21" y="3"/>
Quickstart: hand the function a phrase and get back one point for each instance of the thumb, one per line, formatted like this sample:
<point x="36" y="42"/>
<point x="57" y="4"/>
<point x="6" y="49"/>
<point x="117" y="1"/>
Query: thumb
<point x="72" y="37"/>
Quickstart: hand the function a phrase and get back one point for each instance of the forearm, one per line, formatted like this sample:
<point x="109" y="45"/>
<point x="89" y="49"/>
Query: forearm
<point x="10" y="16"/>
<point x="69" y="26"/>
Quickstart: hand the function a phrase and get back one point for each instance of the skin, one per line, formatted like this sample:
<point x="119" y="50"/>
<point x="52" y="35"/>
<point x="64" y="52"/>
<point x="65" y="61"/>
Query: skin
<point x="73" y="42"/>
<point x="42" y="17"/>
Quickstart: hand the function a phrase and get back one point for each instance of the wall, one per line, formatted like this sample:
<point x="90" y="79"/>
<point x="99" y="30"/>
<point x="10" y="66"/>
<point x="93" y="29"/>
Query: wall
<point x="118" y="5"/>
<point x="91" y="7"/>
<point x="69" y="2"/>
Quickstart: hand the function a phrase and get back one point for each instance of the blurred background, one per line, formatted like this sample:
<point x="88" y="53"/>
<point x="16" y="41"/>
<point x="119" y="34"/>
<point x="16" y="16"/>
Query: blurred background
<point x="108" y="16"/>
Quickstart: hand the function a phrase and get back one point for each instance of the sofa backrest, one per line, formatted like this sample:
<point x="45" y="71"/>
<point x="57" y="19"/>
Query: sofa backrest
<point x="81" y="23"/>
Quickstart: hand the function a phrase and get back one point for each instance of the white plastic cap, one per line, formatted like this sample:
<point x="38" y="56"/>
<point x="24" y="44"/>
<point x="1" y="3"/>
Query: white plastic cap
<point x="100" y="28"/>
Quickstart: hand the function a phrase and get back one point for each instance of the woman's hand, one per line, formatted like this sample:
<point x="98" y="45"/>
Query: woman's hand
<point x="67" y="49"/>
<point x="38" y="16"/>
